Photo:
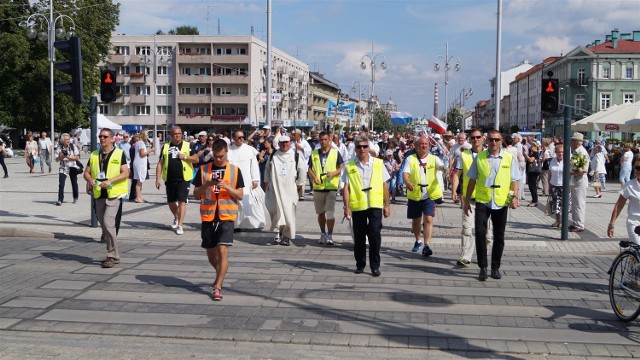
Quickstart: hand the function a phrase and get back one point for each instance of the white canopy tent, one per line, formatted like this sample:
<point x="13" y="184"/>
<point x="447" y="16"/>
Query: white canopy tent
<point x="103" y="122"/>
<point x="619" y="118"/>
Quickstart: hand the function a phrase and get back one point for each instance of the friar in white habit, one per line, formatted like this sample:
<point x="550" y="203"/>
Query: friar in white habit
<point x="251" y="209"/>
<point x="282" y="175"/>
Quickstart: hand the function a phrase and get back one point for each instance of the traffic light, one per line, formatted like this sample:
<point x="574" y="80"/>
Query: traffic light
<point x="107" y="86"/>
<point x="549" y="99"/>
<point x="73" y="66"/>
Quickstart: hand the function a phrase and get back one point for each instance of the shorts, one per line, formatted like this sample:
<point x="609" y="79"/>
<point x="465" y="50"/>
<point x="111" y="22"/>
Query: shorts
<point x="325" y="202"/>
<point x="177" y="191"/>
<point x="216" y="233"/>
<point x="417" y="209"/>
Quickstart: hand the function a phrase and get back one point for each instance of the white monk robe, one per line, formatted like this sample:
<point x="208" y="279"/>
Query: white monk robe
<point x="250" y="209"/>
<point x="281" y="197"/>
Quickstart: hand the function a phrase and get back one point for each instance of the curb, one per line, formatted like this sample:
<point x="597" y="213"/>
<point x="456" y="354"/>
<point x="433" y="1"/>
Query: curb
<point x="22" y="232"/>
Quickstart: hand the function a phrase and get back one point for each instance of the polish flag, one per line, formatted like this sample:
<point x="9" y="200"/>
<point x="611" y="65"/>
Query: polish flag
<point x="437" y="125"/>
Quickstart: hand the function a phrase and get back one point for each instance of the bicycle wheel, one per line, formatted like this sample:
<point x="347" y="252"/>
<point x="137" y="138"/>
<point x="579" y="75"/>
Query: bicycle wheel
<point x="624" y="305"/>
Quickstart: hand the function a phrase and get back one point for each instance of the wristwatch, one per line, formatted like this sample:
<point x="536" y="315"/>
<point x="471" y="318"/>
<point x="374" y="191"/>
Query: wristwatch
<point x="345" y="207"/>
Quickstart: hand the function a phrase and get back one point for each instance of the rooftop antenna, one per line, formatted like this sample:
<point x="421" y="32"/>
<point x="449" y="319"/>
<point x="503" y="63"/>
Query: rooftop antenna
<point x="218" y="26"/>
<point x="208" y="13"/>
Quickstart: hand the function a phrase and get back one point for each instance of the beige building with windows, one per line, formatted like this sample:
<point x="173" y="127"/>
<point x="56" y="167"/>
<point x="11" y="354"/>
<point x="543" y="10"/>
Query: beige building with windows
<point x="203" y="82"/>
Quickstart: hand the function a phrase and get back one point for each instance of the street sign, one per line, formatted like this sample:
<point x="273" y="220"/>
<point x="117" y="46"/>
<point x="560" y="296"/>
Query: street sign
<point x="275" y="97"/>
<point x="612" y="127"/>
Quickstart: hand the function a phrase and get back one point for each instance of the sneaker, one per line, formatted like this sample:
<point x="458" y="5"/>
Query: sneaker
<point x="463" y="262"/>
<point x="174" y="225"/>
<point x="301" y="198"/>
<point x="285" y="241"/>
<point x="179" y="230"/>
<point x="6" y="176"/>
<point x="329" y="241"/>
<point x="276" y="240"/>
<point x="58" y="203"/>
<point x="323" y="238"/>
<point x="216" y="295"/>
<point x="75" y="201"/>
<point x="426" y="251"/>
<point x="109" y="262"/>
<point x="416" y="246"/>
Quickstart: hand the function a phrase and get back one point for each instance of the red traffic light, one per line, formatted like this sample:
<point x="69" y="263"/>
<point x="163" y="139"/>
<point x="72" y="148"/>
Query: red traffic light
<point x="550" y="87"/>
<point x="107" y="78"/>
<point x="107" y="86"/>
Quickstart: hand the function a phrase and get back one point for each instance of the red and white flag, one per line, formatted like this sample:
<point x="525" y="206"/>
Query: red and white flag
<point x="437" y="125"/>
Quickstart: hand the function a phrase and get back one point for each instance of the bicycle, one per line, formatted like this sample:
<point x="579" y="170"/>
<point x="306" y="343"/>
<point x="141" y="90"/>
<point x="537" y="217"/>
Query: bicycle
<point x="624" y="281"/>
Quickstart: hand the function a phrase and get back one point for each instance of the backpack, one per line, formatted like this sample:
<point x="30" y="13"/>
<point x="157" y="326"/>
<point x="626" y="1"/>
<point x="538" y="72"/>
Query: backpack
<point x="297" y="157"/>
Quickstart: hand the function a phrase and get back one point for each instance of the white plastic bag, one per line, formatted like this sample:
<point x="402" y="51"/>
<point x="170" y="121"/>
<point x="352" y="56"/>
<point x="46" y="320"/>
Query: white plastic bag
<point x="8" y="152"/>
<point x="251" y="210"/>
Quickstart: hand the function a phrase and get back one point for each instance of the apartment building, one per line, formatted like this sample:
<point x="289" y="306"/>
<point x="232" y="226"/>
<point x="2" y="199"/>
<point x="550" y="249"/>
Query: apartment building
<point x="203" y="82"/>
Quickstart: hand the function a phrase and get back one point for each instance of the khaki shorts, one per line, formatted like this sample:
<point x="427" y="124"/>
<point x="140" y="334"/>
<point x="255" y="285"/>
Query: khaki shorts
<point x="325" y="202"/>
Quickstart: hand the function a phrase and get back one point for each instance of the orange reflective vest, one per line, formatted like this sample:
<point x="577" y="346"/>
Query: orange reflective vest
<point x="216" y="198"/>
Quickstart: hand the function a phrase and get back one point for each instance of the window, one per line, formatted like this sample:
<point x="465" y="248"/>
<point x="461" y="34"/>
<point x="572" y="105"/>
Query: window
<point x="203" y="111"/>
<point x="103" y="109"/>
<point x="164" y="90"/>
<point x="628" y="98"/>
<point x="162" y="70"/>
<point x="605" y="101"/>
<point x="223" y="91"/>
<point x="185" y="110"/>
<point x="164" y="50"/>
<point x="123" y="89"/>
<point x="185" y="51"/>
<point x="143" y="90"/>
<point x="203" y="91"/>
<point x="122" y="50"/>
<point x="202" y="71"/>
<point x="579" y="103"/>
<point x="185" y="71"/>
<point x="121" y="110"/>
<point x="582" y="77"/>
<point x="629" y="71"/>
<point x="239" y="51"/>
<point x="122" y="70"/>
<point x="164" y="110"/>
<point x="203" y="51"/>
<point x="223" y="51"/>
<point x="143" y="110"/>
<point x="142" y="69"/>
<point x="143" y="50"/>
<point x="606" y="71"/>
<point x="185" y="91"/>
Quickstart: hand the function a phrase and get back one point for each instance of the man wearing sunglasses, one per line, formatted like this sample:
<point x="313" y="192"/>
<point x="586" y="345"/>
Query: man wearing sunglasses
<point x="366" y="200"/>
<point x="423" y="189"/>
<point x="463" y="160"/>
<point x="250" y="214"/>
<point x="493" y="178"/>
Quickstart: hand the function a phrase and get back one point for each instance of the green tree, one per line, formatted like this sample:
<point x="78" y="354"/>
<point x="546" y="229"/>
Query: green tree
<point x="381" y="120"/>
<point x="454" y="119"/>
<point x="24" y="65"/>
<point x="184" y="30"/>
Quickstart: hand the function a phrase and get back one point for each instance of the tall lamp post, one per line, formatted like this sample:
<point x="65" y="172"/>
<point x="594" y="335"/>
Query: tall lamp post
<point x="372" y="58"/>
<point x="50" y="36"/>
<point x="359" y="90"/>
<point x="447" y="61"/>
<point x="154" y="62"/>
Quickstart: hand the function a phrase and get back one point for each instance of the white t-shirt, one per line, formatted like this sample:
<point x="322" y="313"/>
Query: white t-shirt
<point x="631" y="192"/>
<point x="423" y="175"/>
<point x="627" y="159"/>
<point x="555" y="172"/>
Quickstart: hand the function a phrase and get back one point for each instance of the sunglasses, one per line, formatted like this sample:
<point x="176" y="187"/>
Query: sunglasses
<point x="240" y="138"/>
<point x="210" y="139"/>
<point x="103" y="136"/>
<point x="494" y="139"/>
<point x="362" y="146"/>
<point x="475" y="137"/>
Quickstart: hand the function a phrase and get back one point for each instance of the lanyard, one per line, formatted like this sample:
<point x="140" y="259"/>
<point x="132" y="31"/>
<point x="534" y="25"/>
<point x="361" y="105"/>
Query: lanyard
<point x="104" y="158"/>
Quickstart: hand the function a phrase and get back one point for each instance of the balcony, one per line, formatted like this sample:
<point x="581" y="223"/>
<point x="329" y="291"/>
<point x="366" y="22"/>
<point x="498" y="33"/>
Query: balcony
<point x="193" y="99"/>
<point x="231" y="79"/>
<point x="119" y="100"/>
<point x="228" y="99"/>
<point x="230" y="59"/>
<point x="195" y="79"/>
<point x="138" y="99"/>
<point x="121" y="78"/>
<point x="137" y="59"/>
<point x="116" y="59"/>
<point x="188" y="58"/>
<point x="140" y="79"/>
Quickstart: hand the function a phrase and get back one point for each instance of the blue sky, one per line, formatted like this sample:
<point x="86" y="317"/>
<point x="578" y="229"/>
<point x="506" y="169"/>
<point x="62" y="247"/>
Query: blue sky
<point x="333" y="35"/>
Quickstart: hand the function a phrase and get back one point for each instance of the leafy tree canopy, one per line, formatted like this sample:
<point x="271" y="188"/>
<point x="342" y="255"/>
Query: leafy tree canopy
<point x="24" y="64"/>
<point x="180" y="30"/>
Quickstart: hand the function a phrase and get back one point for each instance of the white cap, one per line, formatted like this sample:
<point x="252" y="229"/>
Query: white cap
<point x="298" y="131"/>
<point x="202" y="133"/>
<point x="388" y="152"/>
<point x="437" y="136"/>
<point x="266" y="127"/>
<point x="284" y="138"/>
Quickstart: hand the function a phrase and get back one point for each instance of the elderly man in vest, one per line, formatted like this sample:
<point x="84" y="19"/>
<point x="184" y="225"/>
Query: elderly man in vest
<point x="494" y="176"/>
<point x="175" y="168"/>
<point x="106" y="175"/>
<point x="325" y="166"/>
<point x="423" y="188"/>
<point x="464" y="159"/>
<point x="366" y="200"/>
<point x="219" y="186"/>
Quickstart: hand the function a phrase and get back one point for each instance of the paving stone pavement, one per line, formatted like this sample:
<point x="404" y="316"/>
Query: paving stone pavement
<point x="297" y="301"/>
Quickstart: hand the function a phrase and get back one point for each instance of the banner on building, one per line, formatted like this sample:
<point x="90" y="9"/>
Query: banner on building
<point x="275" y="97"/>
<point x="344" y="110"/>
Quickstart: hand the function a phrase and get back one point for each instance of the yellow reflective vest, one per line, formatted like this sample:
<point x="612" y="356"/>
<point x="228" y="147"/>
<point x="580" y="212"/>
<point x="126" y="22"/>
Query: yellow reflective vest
<point x="329" y="166"/>
<point x="415" y="177"/>
<point x="357" y="193"/>
<point x="467" y="160"/>
<point x="117" y="188"/>
<point x="187" y="167"/>
<point x="501" y="184"/>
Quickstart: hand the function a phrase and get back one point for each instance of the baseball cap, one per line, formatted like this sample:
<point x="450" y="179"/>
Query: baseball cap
<point x="298" y="131"/>
<point x="388" y="152"/>
<point x="284" y="138"/>
<point x="437" y="136"/>
<point x="202" y="133"/>
<point x="266" y="127"/>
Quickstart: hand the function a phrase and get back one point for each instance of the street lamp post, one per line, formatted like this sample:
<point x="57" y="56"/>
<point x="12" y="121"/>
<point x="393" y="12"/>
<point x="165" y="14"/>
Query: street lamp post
<point x="447" y="66"/>
<point x="353" y="90"/>
<point x="50" y="37"/>
<point x="154" y="62"/>
<point x="372" y="58"/>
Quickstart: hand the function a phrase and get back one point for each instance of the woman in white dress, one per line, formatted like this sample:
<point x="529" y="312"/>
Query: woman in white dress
<point x="140" y="164"/>
<point x="630" y="191"/>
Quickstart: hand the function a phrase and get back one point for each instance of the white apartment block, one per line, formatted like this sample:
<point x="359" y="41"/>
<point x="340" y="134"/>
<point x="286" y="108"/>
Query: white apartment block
<point x="203" y="82"/>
